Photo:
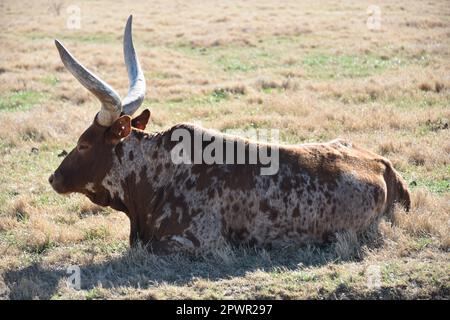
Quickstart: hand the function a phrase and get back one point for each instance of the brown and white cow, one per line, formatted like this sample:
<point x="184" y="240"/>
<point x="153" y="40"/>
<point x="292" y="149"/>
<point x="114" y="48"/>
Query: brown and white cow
<point x="319" y="189"/>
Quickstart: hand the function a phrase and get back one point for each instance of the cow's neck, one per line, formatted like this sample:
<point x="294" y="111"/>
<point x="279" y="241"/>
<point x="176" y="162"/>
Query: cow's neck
<point x="140" y="167"/>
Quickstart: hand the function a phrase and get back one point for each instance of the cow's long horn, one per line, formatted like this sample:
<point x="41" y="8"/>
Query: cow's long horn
<point x="136" y="90"/>
<point x="110" y="100"/>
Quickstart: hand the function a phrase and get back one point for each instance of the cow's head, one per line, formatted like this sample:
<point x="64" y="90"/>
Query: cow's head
<point x="84" y="168"/>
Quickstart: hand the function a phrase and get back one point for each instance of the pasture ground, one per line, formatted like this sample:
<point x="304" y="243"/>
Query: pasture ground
<point x="312" y="69"/>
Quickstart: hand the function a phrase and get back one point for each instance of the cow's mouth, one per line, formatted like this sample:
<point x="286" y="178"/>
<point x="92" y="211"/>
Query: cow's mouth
<point x="55" y="181"/>
<point x="60" y="190"/>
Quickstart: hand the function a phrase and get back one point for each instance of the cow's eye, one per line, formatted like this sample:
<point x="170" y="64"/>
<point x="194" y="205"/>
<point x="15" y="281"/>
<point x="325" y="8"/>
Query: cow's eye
<point x="83" y="147"/>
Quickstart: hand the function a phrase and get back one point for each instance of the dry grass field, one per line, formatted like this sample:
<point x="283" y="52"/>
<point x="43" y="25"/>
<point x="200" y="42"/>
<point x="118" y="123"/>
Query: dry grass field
<point x="312" y="69"/>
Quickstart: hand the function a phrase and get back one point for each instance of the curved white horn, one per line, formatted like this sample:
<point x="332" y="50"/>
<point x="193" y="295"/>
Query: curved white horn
<point x="136" y="90"/>
<point x="110" y="100"/>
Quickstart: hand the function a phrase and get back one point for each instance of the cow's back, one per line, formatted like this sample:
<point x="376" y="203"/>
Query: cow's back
<point x="319" y="189"/>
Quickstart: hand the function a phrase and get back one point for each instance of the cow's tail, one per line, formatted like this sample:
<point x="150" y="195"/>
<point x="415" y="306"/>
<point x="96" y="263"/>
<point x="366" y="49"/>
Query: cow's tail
<point x="397" y="189"/>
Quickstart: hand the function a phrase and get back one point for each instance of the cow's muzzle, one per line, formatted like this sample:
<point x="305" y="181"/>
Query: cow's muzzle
<point x="56" y="181"/>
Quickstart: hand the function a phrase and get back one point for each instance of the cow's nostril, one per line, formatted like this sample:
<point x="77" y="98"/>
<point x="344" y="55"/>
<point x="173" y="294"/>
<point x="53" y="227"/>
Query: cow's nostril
<point x="50" y="179"/>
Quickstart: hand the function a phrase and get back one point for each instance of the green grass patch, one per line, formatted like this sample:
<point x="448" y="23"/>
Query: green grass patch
<point x="95" y="293"/>
<point x="98" y="37"/>
<point x="270" y="90"/>
<point x="327" y="66"/>
<point x="20" y="100"/>
<point x="235" y="63"/>
<point x="219" y="95"/>
<point x="235" y="58"/>
<point x="40" y="247"/>
<point x="430" y="127"/>
<point x="183" y="105"/>
<point x="112" y="247"/>
<point x="423" y="242"/>
<point x="427" y="100"/>
<point x="159" y="75"/>
<point x="6" y="145"/>
<point x="435" y="186"/>
<point x="50" y="80"/>
<point x="49" y="198"/>
<point x="265" y="55"/>
<point x="304" y="276"/>
<point x="99" y="233"/>
<point x="228" y="58"/>
<point x="390" y="273"/>
<point x="439" y="183"/>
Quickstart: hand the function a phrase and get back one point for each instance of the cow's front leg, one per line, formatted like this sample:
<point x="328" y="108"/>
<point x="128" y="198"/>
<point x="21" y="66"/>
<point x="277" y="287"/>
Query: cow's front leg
<point x="134" y="234"/>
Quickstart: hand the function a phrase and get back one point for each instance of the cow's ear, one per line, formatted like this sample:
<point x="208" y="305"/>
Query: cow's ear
<point x="120" y="129"/>
<point x="140" y="122"/>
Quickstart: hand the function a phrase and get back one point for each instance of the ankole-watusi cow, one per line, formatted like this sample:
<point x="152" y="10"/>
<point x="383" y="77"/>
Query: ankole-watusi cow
<point x="318" y="189"/>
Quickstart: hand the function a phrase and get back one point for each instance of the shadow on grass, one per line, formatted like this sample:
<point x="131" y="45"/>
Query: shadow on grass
<point x="137" y="268"/>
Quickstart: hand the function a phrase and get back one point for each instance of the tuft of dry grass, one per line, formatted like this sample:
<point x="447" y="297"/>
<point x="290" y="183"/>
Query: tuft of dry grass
<point x="346" y="245"/>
